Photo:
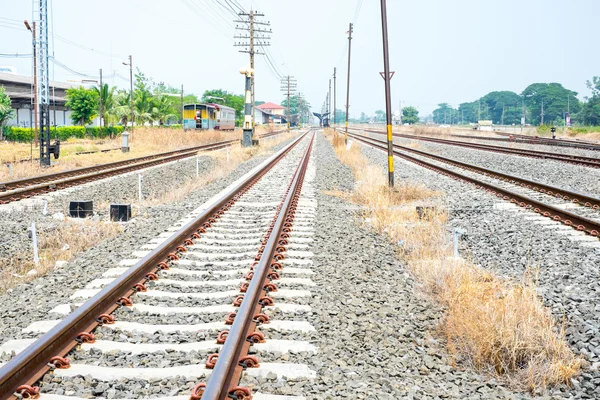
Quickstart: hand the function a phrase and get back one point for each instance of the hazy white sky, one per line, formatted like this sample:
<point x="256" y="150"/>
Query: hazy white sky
<point x="442" y="50"/>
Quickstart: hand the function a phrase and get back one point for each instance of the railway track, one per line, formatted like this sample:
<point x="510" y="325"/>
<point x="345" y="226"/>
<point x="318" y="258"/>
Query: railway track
<point x="582" y="212"/>
<point x="228" y="285"/>
<point x="25" y="188"/>
<point x="573" y="159"/>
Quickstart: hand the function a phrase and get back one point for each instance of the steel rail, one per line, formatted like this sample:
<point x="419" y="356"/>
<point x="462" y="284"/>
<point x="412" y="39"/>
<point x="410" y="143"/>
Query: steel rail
<point x="9" y="185"/>
<point x="31" y="364"/>
<point x="546" y="141"/>
<point x="586" y="225"/>
<point x="578" y="198"/>
<point x="51" y="186"/>
<point x="224" y="379"/>
<point x="586" y="161"/>
<point x="101" y="171"/>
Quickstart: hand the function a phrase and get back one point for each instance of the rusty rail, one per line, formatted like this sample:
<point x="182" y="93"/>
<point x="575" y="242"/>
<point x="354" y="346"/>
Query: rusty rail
<point x="21" y="372"/>
<point x="573" y="159"/>
<point x="586" y="225"/>
<point x="25" y="188"/>
<point x="233" y="357"/>
<point x="578" y="198"/>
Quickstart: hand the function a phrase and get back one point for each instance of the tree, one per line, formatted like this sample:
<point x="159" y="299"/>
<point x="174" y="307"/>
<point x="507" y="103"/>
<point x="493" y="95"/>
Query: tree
<point x="162" y="110"/>
<point x="83" y="104"/>
<point x="143" y="101"/>
<point x="106" y="94"/>
<point x="235" y="101"/>
<point x="445" y="114"/>
<point x="6" y="112"/>
<point x="469" y="112"/>
<point x="555" y="98"/>
<point x="502" y="107"/>
<point x="410" y="115"/>
<point x="379" y="116"/>
<point x="590" y="110"/>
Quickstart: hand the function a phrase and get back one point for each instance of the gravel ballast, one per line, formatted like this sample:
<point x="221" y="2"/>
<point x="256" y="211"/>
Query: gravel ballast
<point x="374" y="327"/>
<point x="505" y="242"/>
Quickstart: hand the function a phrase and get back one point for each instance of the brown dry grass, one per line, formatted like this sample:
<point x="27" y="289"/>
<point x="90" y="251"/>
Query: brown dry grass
<point x="146" y="141"/>
<point x="498" y="326"/>
<point x="60" y="244"/>
<point x="225" y="164"/>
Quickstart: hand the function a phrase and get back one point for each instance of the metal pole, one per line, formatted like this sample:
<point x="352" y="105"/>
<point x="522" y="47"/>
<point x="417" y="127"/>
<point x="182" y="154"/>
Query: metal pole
<point x="251" y="18"/>
<point x="288" y="102"/>
<point x="131" y="95"/>
<point x="388" y="94"/>
<point x="35" y="90"/>
<point x="348" y="83"/>
<point x="329" y="104"/>
<point x="181" y="104"/>
<point x="101" y="90"/>
<point x="334" y="99"/>
<point x="247" y="136"/>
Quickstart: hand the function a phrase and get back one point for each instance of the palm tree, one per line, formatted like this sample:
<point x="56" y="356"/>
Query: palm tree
<point x="162" y="110"/>
<point x="121" y="111"/>
<point x="143" y="104"/>
<point x="106" y="95"/>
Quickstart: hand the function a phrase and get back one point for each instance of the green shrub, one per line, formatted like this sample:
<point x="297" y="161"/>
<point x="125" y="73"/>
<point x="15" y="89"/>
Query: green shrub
<point x="543" y="128"/>
<point x="17" y="134"/>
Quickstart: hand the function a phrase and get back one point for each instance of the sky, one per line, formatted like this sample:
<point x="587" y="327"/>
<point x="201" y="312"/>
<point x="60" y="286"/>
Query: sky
<point x="449" y="51"/>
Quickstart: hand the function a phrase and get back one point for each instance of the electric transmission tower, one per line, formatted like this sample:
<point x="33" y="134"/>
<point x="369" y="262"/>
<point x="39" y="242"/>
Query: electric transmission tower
<point x="252" y="37"/>
<point x="289" y="86"/>
<point x="44" y="86"/>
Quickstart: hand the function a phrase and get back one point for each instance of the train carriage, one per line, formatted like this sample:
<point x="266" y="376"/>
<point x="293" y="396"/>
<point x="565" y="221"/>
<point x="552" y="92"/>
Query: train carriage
<point x="208" y="116"/>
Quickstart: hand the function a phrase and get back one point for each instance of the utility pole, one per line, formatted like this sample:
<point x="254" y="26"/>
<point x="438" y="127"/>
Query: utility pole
<point x="502" y="118"/>
<point x="101" y="90"/>
<point x="131" y="92"/>
<point x="522" y="113"/>
<point x="35" y="85"/>
<point x="542" y="112"/>
<point x="479" y="112"/>
<point x="181" y="115"/>
<point x="249" y="19"/>
<point x="388" y="93"/>
<point x="334" y="98"/>
<point x="288" y="85"/>
<point x="348" y="83"/>
<point x="329" y="104"/>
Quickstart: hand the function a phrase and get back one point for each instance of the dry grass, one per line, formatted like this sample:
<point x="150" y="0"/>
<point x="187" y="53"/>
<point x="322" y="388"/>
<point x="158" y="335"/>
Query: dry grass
<point x="498" y="326"/>
<point x="225" y="164"/>
<point x="60" y="244"/>
<point x="145" y="141"/>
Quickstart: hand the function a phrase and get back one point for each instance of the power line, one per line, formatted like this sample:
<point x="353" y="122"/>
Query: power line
<point x="15" y="55"/>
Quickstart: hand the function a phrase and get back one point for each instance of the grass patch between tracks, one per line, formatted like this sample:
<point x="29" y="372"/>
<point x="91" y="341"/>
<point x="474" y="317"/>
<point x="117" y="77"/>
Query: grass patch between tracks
<point x="60" y="243"/>
<point x="496" y="325"/>
<point x="225" y="164"/>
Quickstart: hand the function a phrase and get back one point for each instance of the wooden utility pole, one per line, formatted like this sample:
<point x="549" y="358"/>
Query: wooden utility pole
<point x="334" y="99"/>
<point x="329" y="104"/>
<point x="252" y="41"/>
<point x="348" y="82"/>
<point x="101" y="90"/>
<point x="182" y="104"/>
<point x="542" y="112"/>
<point x="288" y="85"/>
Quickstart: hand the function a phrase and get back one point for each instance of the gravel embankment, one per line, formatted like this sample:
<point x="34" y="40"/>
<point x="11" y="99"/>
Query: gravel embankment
<point x="568" y="176"/>
<point x="32" y="301"/>
<point x="505" y="242"/>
